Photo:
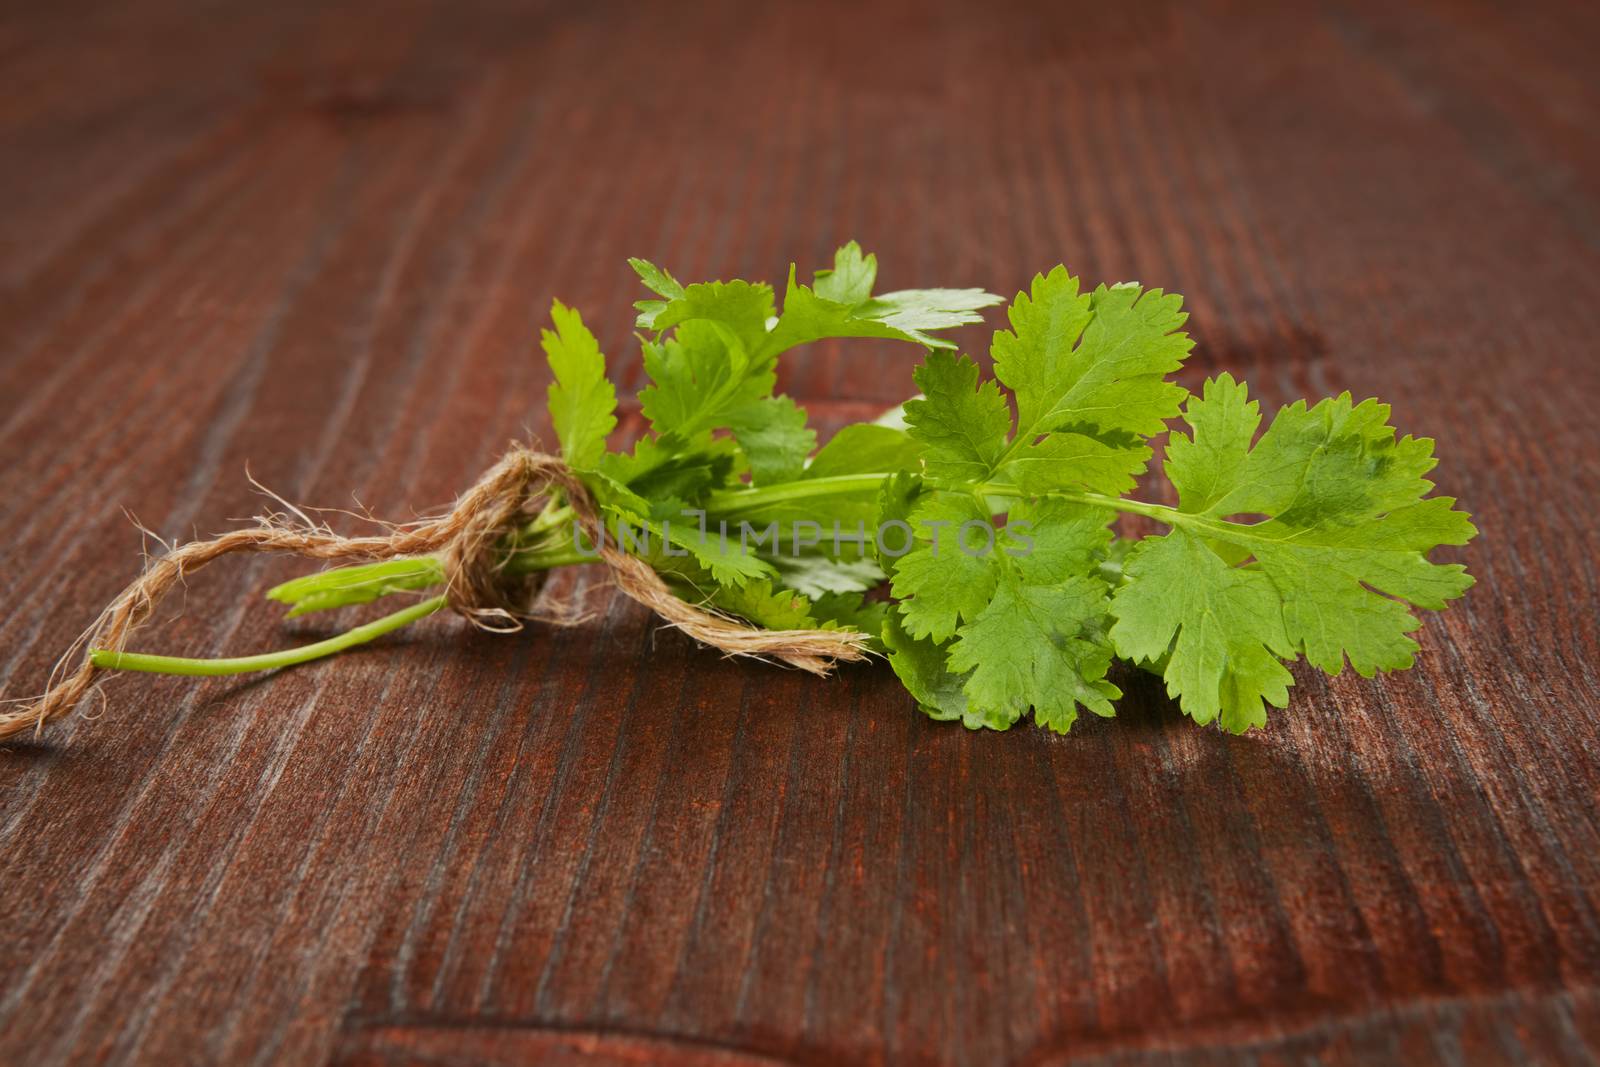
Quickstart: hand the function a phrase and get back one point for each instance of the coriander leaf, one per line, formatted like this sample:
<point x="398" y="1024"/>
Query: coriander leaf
<point x="771" y="607"/>
<point x="864" y="448"/>
<point x="613" y="496"/>
<point x="1038" y="645"/>
<point x="1334" y="461"/>
<point x="850" y="610"/>
<point x="851" y="279"/>
<point x="1087" y="371"/>
<point x="738" y="309"/>
<point x="914" y="311"/>
<point x="808" y="316"/>
<point x="1054" y="541"/>
<point x="1348" y="528"/>
<point x="894" y="535"/>
<point x="1096" y="360"/>
<point x="776" y="608"/>
<point x="922" y="669"/>
<point x="682" y="544"/>
<point x="961" y="425"/>
<point x="1027" y="605"/>
<point x="1222" y="625"/>
<point x="697" y="377"/>
<point x="1209" y="466"/>
<point x="819" y="575"/>
<point x="772" y="432"/>
<point x="1040" y="640"/>
<point x="582" y="402"/>
<point x="944" y="579"/>
<point x="672" y="478"/>
<point x="1064" y="460"/>
<point x="1342" y="550"/>
<point x="721" y="553"/>
<point x="718" y="342"/>
<point x="812" y="315"/>
<point x="1035" y="358"/>
<point x="656" y="280"/>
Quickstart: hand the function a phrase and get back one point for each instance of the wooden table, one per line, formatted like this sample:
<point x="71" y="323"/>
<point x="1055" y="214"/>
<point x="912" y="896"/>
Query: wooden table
<point x="315" y="241"/>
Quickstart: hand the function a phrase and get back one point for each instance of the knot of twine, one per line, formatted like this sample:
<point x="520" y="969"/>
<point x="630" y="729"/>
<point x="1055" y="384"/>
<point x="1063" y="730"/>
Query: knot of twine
<point x="469" y="544"/>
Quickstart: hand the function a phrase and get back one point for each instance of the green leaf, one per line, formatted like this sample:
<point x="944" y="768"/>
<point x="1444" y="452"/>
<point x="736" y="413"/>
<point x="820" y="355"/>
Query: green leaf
<point x="945" y="579"/>
<point x="1038" y="645"/>
<point x="864" y="448"/>
<point x="776" y="608"/>
<point x="1027" y="605"/>
<point x="1329" y="572"/>
<point x="1034" y="635"/>
<point x="730" y="562"/>
<point x="961" y="426"/>
<point x="656" y="280"/>
<point x="582" y="402"/>
<point x="1335" y="462"/>
<point x="812" y="315"/>
<point x="772" y="607"/>
<point x="819" y="575"/>
<point x="808" y="316"/>
<point x="685" y="545"/>
<point x="921" y="666"/>
<point x="1065" y="460"/>
<point x="1092" y="360"/>
<point x="670" y="474"/>
<point x="1087" y="373"/>
<point x="614" y="496"/>
<point x="698" y="377"/>
<point x="737" y="309"/>
<point x="713" y="361"/>
<point x="893" y="534"/>
<point x="1053" y="541"/>
<point x="915" y="311"/>
<point x="772" y="432"/>
<point x="1041" y="639"/>
<point x="851" y="279"/>
<point x="851" y="611"/>
<point x="1222" y="625"/>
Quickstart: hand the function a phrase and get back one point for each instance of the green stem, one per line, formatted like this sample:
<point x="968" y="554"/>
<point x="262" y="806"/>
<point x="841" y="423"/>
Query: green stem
<point x="1159" y="512"/>
<point x="548" y="519"/>
<point x="137" y="661"/>
<point x="549" y="559"/>
<point x="737" y="500"/>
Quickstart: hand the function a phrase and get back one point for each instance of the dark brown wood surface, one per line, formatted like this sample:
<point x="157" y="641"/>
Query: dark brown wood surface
<point x="315" y="241"/>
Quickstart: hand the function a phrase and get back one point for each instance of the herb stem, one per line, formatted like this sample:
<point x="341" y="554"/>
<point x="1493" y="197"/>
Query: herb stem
<point x="360" y="635"/>
<point x="736" y="500"/>
<point x="1159" y="512"/>
<point x="528" y="562"/>
<point x="549" y="519"/>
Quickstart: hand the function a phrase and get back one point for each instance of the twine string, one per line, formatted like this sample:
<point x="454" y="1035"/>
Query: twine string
<point x="468" y="541"/>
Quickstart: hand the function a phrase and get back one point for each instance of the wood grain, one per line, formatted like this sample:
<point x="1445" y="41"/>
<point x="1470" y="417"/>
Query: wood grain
<point x="316" y="240"/>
